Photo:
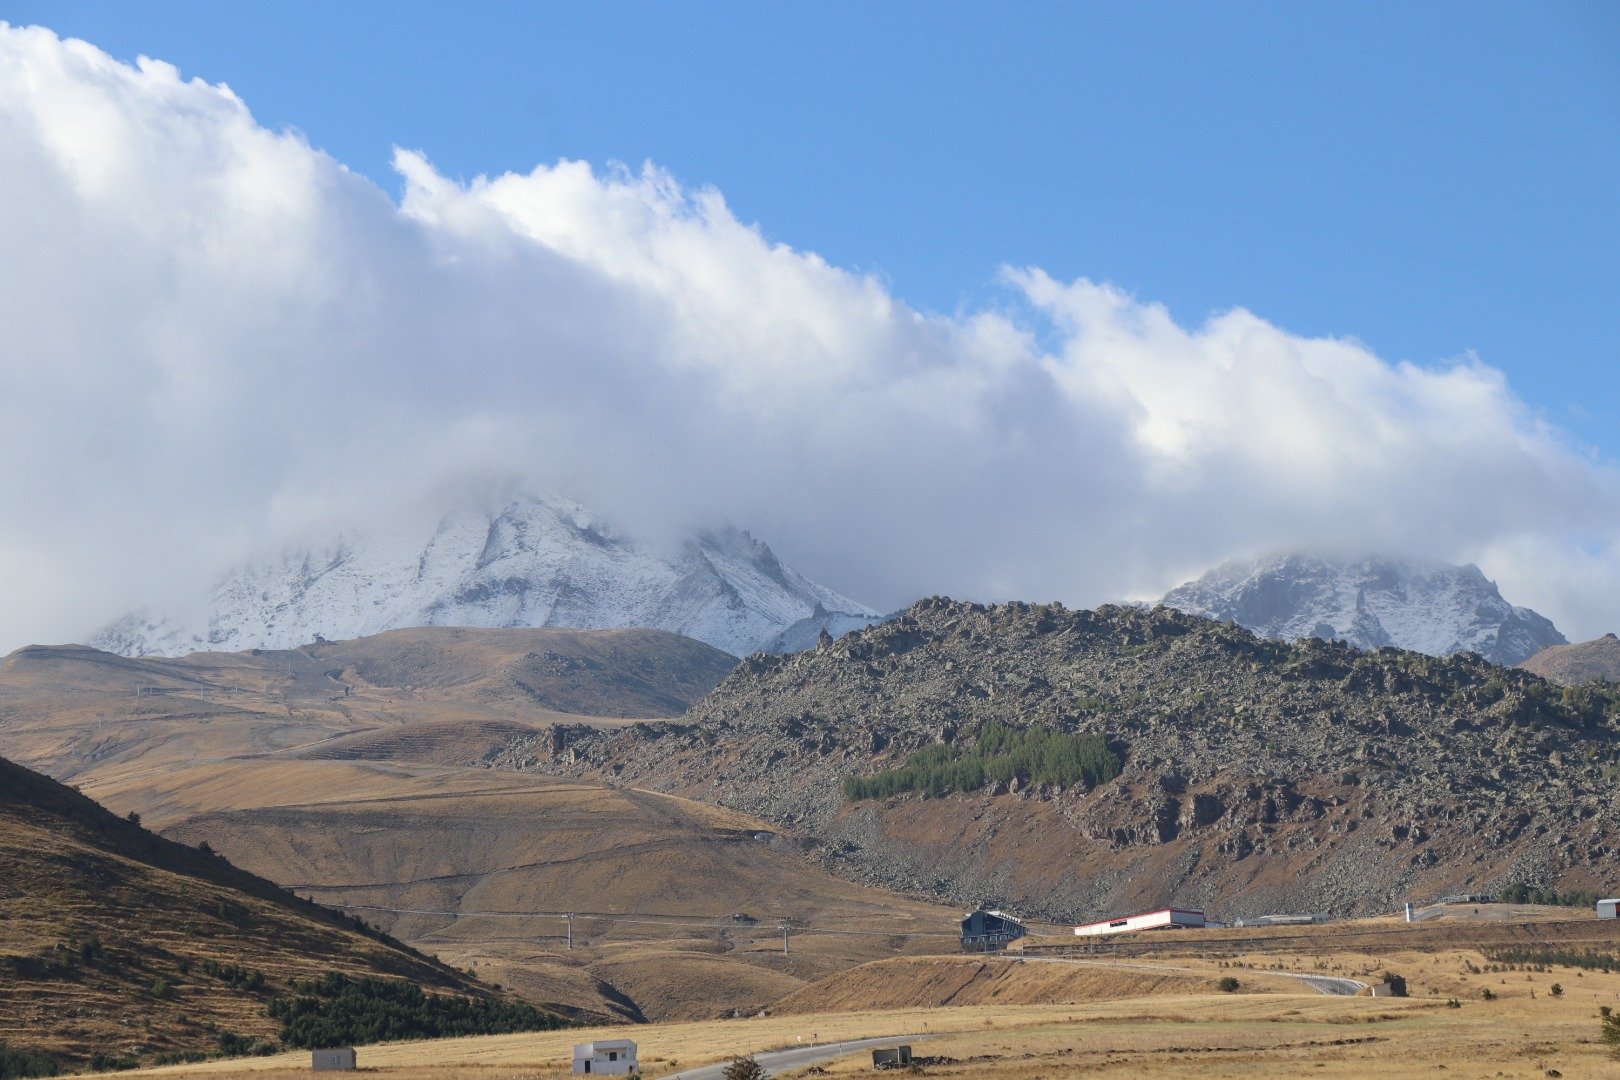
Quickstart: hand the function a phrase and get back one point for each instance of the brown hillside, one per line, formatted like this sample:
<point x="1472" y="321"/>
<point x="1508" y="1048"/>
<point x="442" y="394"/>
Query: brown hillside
<point x="107" y="933"/>
<point x="658" y="880"/>
<point x="1578" y="664"/>
<point x="955" y="981"/>
<point x="356" y="772"/>
<point x="66" y="709"/>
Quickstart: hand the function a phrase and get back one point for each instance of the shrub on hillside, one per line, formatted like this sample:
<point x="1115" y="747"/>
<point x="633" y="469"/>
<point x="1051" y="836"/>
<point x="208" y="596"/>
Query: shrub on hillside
<point x="1000" y="752"/>
<point x="1589" y="960"/>
<point x="336" y="1010"/>
<point x="19" y="1064"/>
<point x="745" y="1068"/>
<point x="233" y="1045"/>
<point x="1228" y="985"/>
<point x="1534" y="894"/>
<point x="236" y="976"/>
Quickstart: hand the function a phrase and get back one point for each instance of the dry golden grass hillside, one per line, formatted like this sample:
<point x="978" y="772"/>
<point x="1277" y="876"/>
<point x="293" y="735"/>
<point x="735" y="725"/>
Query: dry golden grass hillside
<point x="350" y="771"/>
<point x="118" y="942"/>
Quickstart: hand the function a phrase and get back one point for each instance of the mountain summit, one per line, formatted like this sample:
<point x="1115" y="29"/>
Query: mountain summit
<point x="532" y="563"/>
<point x="1429" y="607"/>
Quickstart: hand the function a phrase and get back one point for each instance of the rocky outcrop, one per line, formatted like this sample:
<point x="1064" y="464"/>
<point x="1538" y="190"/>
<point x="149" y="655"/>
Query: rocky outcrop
<point x="1258" y="775"/>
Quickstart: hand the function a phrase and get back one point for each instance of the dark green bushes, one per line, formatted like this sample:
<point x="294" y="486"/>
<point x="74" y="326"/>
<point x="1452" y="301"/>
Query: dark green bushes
<point x="1531" y="894"/>
<point x="100" y="1062"/>
<point x="336" y="1010"/>
<point x="1543" y="957"/>
<point x="1001" y="752"/>
<point x="236" y="976"/>
<point x="17" y="1064"/>
<point x="233" y="1045"/>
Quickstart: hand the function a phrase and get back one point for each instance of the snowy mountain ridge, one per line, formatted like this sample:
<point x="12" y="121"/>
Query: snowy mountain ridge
<point x="1426" y="606"/>
<point x="533" y="562"/>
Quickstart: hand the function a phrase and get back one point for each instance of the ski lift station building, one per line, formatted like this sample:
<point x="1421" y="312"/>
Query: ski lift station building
<point x="1167" y="919"/>
<point x="990" y="931"/>
<point x="606" y="1057"/>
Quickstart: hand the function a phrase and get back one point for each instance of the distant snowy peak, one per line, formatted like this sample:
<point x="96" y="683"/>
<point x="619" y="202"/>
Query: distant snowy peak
<point x="533" y="562"/>
<point x="1429" y="607"/>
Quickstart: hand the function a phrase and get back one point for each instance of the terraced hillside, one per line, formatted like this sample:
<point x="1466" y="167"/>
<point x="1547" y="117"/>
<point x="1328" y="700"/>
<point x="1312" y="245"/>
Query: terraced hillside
<point x="117" y="945"/>
<point x="1255" y="775"/>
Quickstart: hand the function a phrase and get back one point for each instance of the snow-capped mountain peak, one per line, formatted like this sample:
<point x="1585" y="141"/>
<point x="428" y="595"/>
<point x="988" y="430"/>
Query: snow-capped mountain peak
<point x="531" y="562"/>
<point x="1431" y="607"/>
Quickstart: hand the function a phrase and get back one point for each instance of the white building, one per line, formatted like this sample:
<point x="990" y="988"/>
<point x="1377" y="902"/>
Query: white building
<point x="336" y="1060"/>
<point x="1606" y="908"/>
<point x="1168" y="919"/>
<point x="609" y="1057"/>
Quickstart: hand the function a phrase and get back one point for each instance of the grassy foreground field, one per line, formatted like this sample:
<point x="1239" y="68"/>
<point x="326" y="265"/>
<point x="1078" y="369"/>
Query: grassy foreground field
<point x="1141" y="1019"/>
<point x="1206" y="1035"/>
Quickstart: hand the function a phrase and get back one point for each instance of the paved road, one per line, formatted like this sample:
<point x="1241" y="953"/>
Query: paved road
<point x="1324" y="984"/>
<point x="798" y="1057"/>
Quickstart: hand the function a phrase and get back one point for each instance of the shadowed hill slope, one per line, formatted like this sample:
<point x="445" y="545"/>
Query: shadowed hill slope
<point x="1257" y="775"/>
<point x="118" y="942"/>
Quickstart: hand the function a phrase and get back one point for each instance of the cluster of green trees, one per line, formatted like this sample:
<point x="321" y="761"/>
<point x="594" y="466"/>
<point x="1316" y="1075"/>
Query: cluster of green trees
<point x="1000" y="752"/>
<point x="20" y="1064"/>
<point x="336" y="1010"/>
<point x="1532" y="894"/>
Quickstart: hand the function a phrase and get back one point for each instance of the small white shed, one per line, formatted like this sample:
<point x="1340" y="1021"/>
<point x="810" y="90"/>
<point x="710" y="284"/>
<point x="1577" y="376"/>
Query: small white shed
<point x="1606" y="908"/>
<point x="609" y="1057"/>
<point x="336" y="1060"/>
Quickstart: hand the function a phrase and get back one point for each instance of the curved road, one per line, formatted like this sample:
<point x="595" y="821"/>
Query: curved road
<point x="798" y="1057"/>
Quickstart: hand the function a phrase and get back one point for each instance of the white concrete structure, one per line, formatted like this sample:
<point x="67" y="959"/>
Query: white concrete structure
<point x="1167" y="919"/>
<point x="337" y="1060"/>
<point x="1606" y="908"/>
<point x="608" y="1057"/>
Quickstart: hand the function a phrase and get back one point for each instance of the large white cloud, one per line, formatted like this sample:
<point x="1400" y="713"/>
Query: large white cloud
<point x="213" y="337"/>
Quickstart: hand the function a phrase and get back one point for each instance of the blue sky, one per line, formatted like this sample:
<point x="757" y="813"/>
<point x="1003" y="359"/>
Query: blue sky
<point x="1430" y="178"/>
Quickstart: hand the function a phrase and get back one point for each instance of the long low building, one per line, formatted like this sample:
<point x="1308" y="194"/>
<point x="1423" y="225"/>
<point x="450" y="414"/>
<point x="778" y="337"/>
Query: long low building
<point x="1168" y="919"/>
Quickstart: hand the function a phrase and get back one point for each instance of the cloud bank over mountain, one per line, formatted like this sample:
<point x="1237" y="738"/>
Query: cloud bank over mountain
<point x="215" y="338"/>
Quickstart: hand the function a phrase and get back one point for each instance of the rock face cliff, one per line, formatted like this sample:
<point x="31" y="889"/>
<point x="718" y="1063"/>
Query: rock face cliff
<point x="1257" y="776"/>
<point x="1429" y="607"/>
<point x="530" y="563"/>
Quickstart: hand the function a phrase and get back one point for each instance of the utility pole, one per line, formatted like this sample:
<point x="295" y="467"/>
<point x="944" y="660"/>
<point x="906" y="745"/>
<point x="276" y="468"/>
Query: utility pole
<point x="785" y="926"/>
<point x="570" y="917"/>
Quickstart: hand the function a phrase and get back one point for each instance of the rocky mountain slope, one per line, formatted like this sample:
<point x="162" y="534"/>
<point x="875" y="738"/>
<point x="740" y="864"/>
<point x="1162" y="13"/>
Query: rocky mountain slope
<point x="533" y="562"/>
<point x="119" y="943"/>
<point x="1428" y="607"/>
<point x="1576" y="665"/>
<point x="1257" y="775"/>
